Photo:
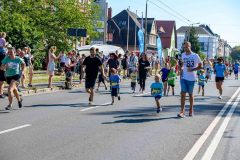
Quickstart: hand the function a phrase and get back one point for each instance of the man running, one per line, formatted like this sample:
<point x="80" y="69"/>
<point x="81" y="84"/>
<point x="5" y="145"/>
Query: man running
<point x="11" y="64"/>
<point x="92" y="65"/>
<point x="191" y="63"/>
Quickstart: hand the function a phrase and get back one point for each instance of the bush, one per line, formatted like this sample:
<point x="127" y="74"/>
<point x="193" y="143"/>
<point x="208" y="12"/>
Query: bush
<point x="39" y="59"/>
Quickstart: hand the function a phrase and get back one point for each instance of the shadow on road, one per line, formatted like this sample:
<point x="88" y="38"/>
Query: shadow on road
<point x="142" y="120"/>
<point x="61" y="105"/>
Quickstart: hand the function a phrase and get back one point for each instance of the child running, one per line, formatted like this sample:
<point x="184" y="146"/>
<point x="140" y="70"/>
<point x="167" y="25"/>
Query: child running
<point x="101" y="80"/>
<point x="156" y="91"/>
<point x="201" y="82"/>
<point x="114" y="79"/>
<point x="172" y="76"/>
<point x="134" y="76"/>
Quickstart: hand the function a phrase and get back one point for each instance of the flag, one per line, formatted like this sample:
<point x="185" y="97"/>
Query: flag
<point x="159" y="48"/>
<point x="141" y="40"/>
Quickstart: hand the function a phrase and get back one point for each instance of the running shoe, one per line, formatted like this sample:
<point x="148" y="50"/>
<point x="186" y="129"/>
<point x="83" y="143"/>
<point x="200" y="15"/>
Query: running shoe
<point x="181" y="115"/>
<point x="9" y="107"/>
<point x="29" y="85"/>
<point x="106" y="88"/>
<point x="119" y="98"/>
<point x="219" y="97"/>
<point x="2" y="96"/>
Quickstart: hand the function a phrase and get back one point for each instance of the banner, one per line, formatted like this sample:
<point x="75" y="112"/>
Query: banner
<point x="159" y="48"/>
<point x="141" y="41"/>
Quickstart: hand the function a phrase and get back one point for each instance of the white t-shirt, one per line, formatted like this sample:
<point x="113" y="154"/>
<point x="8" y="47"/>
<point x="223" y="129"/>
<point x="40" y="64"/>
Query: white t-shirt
<point x="192" y="60"/>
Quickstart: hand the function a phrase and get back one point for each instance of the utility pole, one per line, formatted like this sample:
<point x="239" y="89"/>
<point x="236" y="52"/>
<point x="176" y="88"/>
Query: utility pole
<point x="128" y="29"/>
<point x="145" y="35"/>
<point x="135" y="43"/>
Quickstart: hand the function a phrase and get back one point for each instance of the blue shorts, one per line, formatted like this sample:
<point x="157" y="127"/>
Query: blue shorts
<point x="187" y="86"/>
<point x="158" y="97"/>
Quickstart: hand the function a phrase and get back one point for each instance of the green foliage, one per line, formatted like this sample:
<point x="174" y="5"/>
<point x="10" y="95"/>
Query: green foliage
<point x="202" y="55"/>
<point x="235" y="54"/>
<point x="193" y="39"/>
<point x="40" y="24"/>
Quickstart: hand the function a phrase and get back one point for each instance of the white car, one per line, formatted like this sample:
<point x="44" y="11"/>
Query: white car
<point x="106" y="49"/>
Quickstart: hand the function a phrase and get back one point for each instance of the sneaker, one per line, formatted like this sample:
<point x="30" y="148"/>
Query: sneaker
<point x="219" y="97"/>
<point x="90" y="103"/>
<point x="9" y="107"/>
<point x="106" y="88"/>
<point x="159" y="109"/>
<point x="119" y="98"/>
<point x="181" y="115"/>
<point x="29" y="85"/>
<point x="112" y="103"/>
<point x="20" y="103"/>
<point x="2" y="96"/>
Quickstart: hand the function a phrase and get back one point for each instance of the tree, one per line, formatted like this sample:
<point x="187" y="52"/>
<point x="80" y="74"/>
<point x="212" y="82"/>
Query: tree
<point x="40" y="24"/>
<point x="235" y="54"/>
<point x="193" y="39"/>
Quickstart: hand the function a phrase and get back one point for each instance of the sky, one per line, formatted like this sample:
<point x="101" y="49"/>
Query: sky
<point x="223" y="16"/>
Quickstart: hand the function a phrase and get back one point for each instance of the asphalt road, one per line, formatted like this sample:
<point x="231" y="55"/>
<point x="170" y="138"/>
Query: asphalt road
<point x="61" y="126"/>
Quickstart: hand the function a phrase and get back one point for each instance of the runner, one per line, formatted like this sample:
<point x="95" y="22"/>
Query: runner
<point x="115" y="79"/>
<point x="191" y="63"/>
<point x="2" y="56"/>
<point x="165" y="70"/>
<point x="220" y="70"/>
<point x="236" y="67"/>
<point x="92" y="65"/>
<point x="134" y="77"/>
<point x="11" y="64"/>
<point x="143" y="66"/>
<point x="124" y="64"/>
<point x="172" y="76"/>
<point x="156" y="91"/>
<point x="201" y="82"/>
<point x="132" y="64"/>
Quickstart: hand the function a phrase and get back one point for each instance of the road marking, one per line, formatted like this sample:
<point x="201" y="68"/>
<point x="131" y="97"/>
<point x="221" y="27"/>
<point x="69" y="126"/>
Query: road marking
<point x="16" y="128"/>
<point x="143" y="94"/>
<point x="89" y="108"/>
<point x="194" y="150"/>
<point x="214" y="144"/>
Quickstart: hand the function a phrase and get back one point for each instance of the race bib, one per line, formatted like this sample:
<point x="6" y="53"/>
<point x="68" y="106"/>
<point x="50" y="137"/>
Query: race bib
<point x="13" y="65"/>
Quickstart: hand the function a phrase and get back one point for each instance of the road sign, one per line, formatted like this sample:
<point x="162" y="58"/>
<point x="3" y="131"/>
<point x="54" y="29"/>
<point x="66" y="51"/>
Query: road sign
<point x="78" y="32"/>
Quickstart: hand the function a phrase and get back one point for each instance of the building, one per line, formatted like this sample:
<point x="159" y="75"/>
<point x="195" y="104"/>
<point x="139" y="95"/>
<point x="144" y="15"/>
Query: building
<point x="168" y="34"/>
<point x="123" y="29"/>
<point x="211" y="44"/>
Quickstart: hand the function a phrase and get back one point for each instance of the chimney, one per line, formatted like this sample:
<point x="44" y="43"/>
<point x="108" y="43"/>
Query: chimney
<point x="109" y="13"/>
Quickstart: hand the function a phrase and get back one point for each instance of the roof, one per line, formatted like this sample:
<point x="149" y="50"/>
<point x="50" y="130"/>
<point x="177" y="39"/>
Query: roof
<point x="199" y="30"/>
<point x="165" y="30"/>
<point x="150" y="22"/>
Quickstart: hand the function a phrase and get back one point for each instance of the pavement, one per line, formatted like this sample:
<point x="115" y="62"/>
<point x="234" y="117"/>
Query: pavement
<point x="62" y="126"/>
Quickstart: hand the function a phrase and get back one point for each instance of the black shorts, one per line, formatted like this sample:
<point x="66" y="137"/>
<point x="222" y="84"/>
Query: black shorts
<point x="90" y="82"/>
<point x="133" y="84"/>
<point x="100" y="79"/>
<point x="172" y="85"/>
<point x="2" y="75"/>
<point x="15" y="78"/>
<point x="219" y="79"/>
<point x="62" y="64"/>
<point x="164" y="80"/>
<point x="114" y="92"/>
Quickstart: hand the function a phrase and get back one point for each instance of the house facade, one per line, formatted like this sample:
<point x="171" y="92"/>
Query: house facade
<point x="167" y="32"/>
<point x="123" y="29"/>
<point x="211" y="44"/>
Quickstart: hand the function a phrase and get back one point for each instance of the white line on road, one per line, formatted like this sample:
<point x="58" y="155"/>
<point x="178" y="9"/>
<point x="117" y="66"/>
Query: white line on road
<point x="194" y="150"/>
<point x="89" y="108"/>
<point x="213" y="146"/>
<point x="16" y="128"/>
<point x="139" y="95"/>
